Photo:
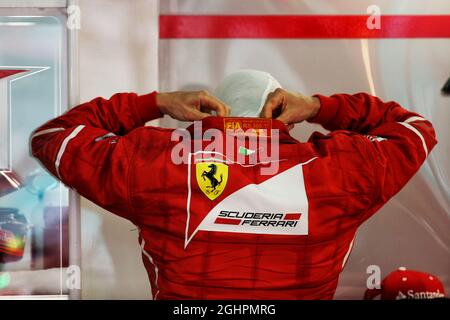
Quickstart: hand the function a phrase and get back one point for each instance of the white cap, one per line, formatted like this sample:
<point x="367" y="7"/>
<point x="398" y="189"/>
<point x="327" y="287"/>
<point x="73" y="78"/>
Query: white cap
<point x="246" y="91"/>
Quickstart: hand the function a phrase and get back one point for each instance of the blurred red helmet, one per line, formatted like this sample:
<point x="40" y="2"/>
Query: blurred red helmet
<point x="408" y="284"/>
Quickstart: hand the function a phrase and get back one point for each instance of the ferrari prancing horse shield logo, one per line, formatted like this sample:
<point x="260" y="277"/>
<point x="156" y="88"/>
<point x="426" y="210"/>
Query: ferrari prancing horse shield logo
<point x="212" y="178"/>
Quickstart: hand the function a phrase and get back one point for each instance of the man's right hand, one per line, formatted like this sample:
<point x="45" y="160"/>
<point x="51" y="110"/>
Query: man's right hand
<point x="289" y="107"/>
<point x="190" y="106"/>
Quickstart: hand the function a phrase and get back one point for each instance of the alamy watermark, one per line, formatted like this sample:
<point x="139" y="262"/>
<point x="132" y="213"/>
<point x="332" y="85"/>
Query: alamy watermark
<point x="374" y="279"/>
<point x="73" y="277"/>
<point x="249" y="147"/>
<point x="374" y="20"/>
<point x="73" y="17"/>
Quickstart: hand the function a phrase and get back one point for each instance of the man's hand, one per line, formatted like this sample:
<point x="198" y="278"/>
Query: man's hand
<point x="190" y="106"/>
<point x="289" y="107"/>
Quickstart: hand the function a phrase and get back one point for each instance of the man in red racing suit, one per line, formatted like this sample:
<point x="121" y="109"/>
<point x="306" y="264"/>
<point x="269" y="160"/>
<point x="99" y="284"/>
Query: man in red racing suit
<point x="218" y="228"/>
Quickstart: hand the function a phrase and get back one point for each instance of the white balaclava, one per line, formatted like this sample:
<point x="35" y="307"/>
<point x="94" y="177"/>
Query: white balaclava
<point x="246" y="91"/>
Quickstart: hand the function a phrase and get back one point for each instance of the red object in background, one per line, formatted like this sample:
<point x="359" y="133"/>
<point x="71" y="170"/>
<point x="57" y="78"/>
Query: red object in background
<point x="13" y="235"/>
<point x="7" y="73"/>
<point x="301" y="27"/>
<point x="9" y="182"/>
<point x="408" y="284"/>
<point x="56" y="237"/>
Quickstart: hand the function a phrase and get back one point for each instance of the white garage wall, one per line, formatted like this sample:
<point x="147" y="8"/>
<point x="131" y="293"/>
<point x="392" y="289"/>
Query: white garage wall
<point x="116" y="55"/>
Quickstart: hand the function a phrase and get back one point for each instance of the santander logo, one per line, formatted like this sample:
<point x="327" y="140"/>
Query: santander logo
<point x="410" y="294"/>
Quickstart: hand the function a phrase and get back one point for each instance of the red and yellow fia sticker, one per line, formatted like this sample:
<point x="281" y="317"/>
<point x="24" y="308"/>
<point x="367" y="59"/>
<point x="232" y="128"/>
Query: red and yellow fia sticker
<point x="248" y="126"/>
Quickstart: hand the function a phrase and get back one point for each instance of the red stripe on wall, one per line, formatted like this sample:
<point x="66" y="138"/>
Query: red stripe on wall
<point x="306" y="27"/>
<point x="227" y="221"/>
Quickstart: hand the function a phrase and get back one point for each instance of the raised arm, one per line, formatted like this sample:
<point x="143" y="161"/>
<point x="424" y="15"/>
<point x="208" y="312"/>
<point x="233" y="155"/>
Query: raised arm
<point x="359" y="112"/>
<point x="119" y="115"/>
<point x="396" y="141"/>
<point x="90" y="148"/>
<point x="390" y="143"/>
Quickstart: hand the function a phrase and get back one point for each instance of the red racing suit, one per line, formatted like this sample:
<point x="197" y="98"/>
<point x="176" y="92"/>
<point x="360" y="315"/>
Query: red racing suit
<point x="217" y="228"/>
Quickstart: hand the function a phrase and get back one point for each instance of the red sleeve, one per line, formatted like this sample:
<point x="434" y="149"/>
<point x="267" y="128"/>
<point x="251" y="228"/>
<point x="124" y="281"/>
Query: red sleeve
<point x="392" y="142"/>
<point x="119" y="115"/>
<point x="90" y="147"/>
